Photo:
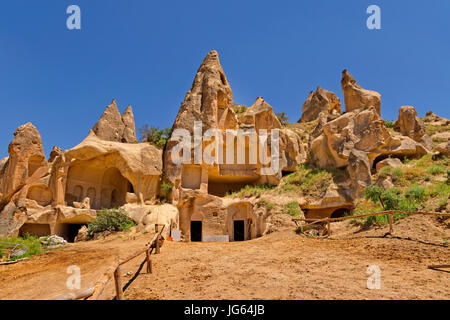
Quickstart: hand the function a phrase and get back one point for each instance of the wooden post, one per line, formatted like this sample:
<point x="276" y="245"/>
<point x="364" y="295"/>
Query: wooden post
<point x="118" y="282"/>
<point x="329" y="228"/>
<point x="149" y="261"/>
<point x="157" y="244"/>
<point x="391" y="228"/>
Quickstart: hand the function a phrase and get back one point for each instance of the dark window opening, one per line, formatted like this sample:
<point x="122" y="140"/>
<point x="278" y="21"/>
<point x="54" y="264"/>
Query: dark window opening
<point x="196" y="231"/>
<point x="130" y="188"/>
<point x="239" y="233"/>
<point x="284" y="173"/>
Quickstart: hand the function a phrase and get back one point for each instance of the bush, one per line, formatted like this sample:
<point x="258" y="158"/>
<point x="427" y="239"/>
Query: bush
<point x="436" y="169"/>
<point x="282" y="117"/>
<point x="389" y="123"/>
<point x="415" y="193"/>
<point x="393" y="199"/>
<point x="292" y="208"/>
<point x="239" y="108"/>
<point x="155" y="136"/>
<point x="110" y="220"/>
<point x="384" y="172"/>
<point x="165" y="190"/>
<point x="32" y="243"/>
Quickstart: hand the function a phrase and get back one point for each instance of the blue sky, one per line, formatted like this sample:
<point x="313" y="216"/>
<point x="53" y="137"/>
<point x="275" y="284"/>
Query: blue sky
<point x="146" y="54"/>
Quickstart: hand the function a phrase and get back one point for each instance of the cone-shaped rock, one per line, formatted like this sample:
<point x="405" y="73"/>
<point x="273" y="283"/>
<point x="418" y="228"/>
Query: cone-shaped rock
<point x="129" y="132"/>
<point x="209" y="100"/>
<point x="113" y="126"/>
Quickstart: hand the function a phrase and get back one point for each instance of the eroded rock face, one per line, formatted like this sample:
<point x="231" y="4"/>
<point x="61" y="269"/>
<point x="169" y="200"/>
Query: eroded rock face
<point x="210" y="102"/>
<point x="357" y="97"/>
<point x="210" y="99"/>
<point x="352" y="143"/>
<point x="260" y="116"/>
<point x="106" y="171"/>
<point x="320" y="101"/>
<point x="26" y="162"/>
<point x="409" y="124"/>
<point x="113" y="126"/>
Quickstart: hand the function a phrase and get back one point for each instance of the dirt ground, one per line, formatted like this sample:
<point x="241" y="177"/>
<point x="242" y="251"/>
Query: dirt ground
<point x="281" y="265"/>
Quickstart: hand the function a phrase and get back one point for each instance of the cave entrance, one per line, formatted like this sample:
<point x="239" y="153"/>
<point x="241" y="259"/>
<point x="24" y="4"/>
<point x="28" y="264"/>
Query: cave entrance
<point x="339" y="213"/>
<point x="35" y="229"/>
<point x="239" y="230"/>
<point x="385" y="156"/>
<point x="68" y="231"/>
<point x="196" y="231"/>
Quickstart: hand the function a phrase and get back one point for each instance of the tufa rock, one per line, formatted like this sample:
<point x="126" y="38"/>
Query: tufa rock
<point x="115" y="127"/>
<point x="357" y="97"/>
<point x="408" y="124"/>
<point x="320" y="101"/>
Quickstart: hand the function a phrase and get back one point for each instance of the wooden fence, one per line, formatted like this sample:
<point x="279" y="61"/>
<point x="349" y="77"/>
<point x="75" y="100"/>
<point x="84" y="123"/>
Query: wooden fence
<point x="328" y="221"/>
<point x="390" y="213"/>
<point x="93" y="293"/>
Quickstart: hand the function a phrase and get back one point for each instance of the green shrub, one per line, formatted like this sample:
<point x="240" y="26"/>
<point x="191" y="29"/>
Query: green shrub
<point x="373" y="193"/>
<point x="384" y="172"/>
<point x="110" y="220"/>
<point x="415" y="193"/>
<point x="292" y="208"/>
<point x="155" y="136"/>
<point x="239" y="108"/>
<point x="270" y="206"/>
<point x="165" y="190"/>
<point x="282" y="117"/>
<point x="389" y="123"/>
<point x="436" y="169"/>
<point x="32" y="244"/>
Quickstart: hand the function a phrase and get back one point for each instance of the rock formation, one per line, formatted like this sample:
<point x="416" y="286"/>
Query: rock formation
<point x="101" y="172"/>
<point x="320" y="101"/>
<point x="409" y="124"/>
<point x="356" y="97"/>
<point x="115" y="127"/>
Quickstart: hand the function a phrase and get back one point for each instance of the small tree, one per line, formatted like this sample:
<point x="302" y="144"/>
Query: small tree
<point x="110" y="220"/>
<point x="154" y="135"/>
<point x="282" y="117"/>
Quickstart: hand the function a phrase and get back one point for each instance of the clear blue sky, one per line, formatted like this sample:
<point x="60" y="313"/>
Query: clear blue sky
<point x="146" y="53"/>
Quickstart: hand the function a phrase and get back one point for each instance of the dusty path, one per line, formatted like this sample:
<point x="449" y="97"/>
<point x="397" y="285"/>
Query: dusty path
<point x="278" y="266"/>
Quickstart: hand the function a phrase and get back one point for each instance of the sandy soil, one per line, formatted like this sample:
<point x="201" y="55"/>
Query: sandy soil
<point x="282" y="265"/>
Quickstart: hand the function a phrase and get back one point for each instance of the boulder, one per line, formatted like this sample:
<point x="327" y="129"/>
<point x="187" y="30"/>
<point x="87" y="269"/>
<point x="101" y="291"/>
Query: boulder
<point x="389" y="162"/>
<point x="356" y="97"/>
<point x="320" y="101"/>
<point x="82" y="234"/>
<point x="444" y="148"/>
